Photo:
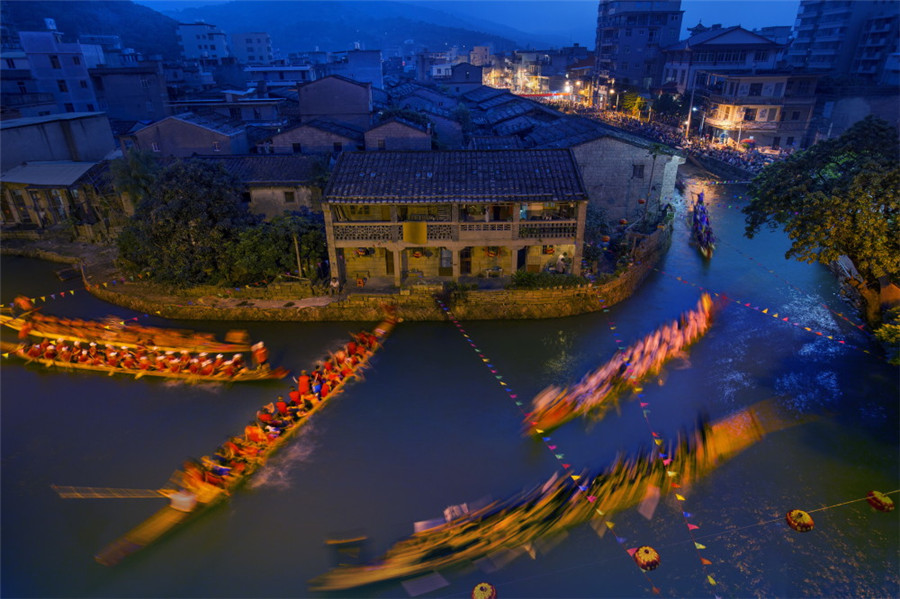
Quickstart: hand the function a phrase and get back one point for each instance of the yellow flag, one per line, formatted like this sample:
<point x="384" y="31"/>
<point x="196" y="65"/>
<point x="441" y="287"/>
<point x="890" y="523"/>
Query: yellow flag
<point x="538" y="430"/>
<point x="671" y="474"/>
<point x="711" y="580"/>
<point x="575" y="476"/>
<point x="775" y="315"/>
<point x="766" y="311"/>
<point x="609" y="524"/>
<point x="6" y="355"/>
<point x="699" y="546"/>
<point x="679" y="497"/>
<point x="105" y="284"/>
<point x="601" y="512"/>
<point x="658" y="441"/>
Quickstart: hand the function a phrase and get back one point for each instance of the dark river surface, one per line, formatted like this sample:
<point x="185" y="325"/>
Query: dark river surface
<point x="430" y="426"/>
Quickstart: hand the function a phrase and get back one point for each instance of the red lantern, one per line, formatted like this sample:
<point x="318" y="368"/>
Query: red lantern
<point x="605" y="239"/>
<point x="642" y="201"/>
<point x="623" y="221"/>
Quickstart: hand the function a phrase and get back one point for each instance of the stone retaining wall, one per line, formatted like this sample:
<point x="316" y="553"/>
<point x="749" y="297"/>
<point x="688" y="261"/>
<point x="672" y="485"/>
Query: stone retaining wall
<point x="418" y="301"/>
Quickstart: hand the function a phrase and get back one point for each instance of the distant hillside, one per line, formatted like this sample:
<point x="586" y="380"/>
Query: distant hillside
<point x="139" y="27"/>
<point x="336" y="25"/>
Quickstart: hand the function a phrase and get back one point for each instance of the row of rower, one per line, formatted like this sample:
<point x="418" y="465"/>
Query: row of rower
<point x="276" y="418"/>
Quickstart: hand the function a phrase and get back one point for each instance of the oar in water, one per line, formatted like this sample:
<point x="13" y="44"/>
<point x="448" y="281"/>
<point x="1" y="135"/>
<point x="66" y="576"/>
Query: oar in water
<point x="109" y="493"/>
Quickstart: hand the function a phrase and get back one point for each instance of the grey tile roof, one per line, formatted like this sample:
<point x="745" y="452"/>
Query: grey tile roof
<point x="480" y="94"/>
<point x="517" y="125"/>
<point x="62" y="173"/>
<point x="496" y="142"/>
<point x="267" y="168"/>
<point x="455" y="175"/>
<point x="213" y="122"/>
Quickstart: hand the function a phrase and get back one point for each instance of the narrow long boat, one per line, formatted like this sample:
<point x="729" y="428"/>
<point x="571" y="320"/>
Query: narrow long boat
<point x="561" y="503"/>
<point x="595" y="394"/>
<point x="206" y="496"/>
<point x="243" y="375"/>
<point x="122" y="334"/>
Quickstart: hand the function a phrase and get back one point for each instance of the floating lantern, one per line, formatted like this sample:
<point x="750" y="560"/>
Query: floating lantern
<point x="484" y="590"/>
<point x="361" y="251"/>
<point x="549" y="249"/>
<point x="623" y="221"/>
<point x="642" y="201"/>
<point x="880" y="501"/>
<point x="646" y="558"/>
<point x="417" y="254"/>
<point x="605" y="239"/>
<point x="800" y="521"/>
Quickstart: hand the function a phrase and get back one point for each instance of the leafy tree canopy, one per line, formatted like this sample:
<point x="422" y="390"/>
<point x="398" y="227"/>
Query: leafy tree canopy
<point x="839" y="197"/>
<point x="269" y="249"/>
<point x="183" y="228"/>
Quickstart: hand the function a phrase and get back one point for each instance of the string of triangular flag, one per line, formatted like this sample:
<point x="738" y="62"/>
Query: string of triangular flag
<point x="858" y="325"/>
<point x="582" y="485"/>
<point x="665" y="458"/>
<point x="776" y="314"/>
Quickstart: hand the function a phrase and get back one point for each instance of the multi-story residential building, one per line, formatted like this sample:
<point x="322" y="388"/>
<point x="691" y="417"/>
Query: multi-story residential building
<point x="281" y="76"/>
<point x="202" y="41"/>
<point x="253" y="48"/>
<point x="75" y="137"/>
<point x="718" y="48"/>
<point x="629" y="37"/>
<point x="132" y="93"/>
<point x="771" y="108"/>
<point x="19" y="93"/>
<point x="61" y="68"/>
<point x="461" y="78"/>
<point x="480" y="56"/>
<point x="827" y="34"/>
<point x="397" y="216"/>
<point x="878" y="40"/>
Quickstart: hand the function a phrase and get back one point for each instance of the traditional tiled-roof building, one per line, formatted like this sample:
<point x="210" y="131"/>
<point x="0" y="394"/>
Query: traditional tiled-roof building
<point x="450" y="214"/>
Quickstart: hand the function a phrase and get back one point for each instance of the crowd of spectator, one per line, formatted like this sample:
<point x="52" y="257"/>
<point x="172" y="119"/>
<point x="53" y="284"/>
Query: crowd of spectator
<point x="749" y="159"/>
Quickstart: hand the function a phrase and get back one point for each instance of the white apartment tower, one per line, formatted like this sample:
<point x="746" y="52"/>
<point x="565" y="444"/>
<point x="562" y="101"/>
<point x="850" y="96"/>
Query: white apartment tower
<point x="202" y="41"/>
<point x="254" y="48"/>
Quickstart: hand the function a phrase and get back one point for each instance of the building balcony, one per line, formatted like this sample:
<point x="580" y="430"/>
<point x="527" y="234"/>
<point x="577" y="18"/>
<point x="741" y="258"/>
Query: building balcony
<point x="476" y="233"/>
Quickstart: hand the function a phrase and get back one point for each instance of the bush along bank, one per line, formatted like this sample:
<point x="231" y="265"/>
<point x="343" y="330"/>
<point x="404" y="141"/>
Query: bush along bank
<point x="416" y="302"/>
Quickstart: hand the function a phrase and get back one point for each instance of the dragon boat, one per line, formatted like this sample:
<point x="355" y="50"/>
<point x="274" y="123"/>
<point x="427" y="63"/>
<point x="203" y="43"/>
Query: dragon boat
<point x="561" y="503"/>
<point x="701" y="231"/>
<point x="595" y="393"/>
<point x="189" y="498"/>
<point x="120" y="333"/>
<point x="242" y="375"/>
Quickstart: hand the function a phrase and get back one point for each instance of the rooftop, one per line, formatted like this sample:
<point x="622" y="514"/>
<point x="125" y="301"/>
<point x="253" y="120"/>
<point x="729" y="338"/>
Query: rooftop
<point x="455" y="175"/>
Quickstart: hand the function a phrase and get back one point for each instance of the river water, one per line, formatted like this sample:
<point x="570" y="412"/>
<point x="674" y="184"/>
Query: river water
<point x="431" y="426"/>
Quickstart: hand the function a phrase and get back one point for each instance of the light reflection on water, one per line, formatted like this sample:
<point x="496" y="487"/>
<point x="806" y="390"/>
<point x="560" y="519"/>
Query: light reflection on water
<point x="430" y="427"/>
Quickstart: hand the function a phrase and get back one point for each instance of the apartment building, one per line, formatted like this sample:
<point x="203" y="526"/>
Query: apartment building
<point x="61" y="69"/>
<point x="252" y="48"/>
<point x="202" y="41"/>
<point x="630" y="36"/>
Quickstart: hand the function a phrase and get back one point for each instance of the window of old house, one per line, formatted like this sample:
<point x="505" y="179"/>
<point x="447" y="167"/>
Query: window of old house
<point x="54" y="62"/>
<point x="289" y="197"/>
<point x="637" y="171"/>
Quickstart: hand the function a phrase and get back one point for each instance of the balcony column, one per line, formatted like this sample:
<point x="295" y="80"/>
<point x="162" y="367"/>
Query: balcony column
<point x="329" y="240"/>
<point x="456" y="263"/>
<point x="398" y="274"/>
<point x="579" y="238"/>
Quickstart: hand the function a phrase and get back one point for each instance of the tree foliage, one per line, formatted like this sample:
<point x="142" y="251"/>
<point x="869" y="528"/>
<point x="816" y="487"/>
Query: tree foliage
<point x="268" y="249"/>
<point x="633" y="103"/>
<point x="839" y="197"/>
<point x="183" y="228"/>
<point x="134" y="174"/>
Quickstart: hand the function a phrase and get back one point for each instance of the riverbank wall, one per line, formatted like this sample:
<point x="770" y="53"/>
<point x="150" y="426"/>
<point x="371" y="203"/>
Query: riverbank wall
<point x="416" y="302"/>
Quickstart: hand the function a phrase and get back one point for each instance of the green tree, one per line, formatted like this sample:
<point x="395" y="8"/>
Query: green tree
<point x="268" y="249"/>
<point x="633" y="103"/>
<point x="183" y="229"/>
<point x="134" y="174"/>
<point x="669" y="106"/>
<point x="838" y="198"/>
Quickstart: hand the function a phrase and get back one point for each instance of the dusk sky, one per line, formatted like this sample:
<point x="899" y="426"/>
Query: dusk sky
<point x="574" y="21"/>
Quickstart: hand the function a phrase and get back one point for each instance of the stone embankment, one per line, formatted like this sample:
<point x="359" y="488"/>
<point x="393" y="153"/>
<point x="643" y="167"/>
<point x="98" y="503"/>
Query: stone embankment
<point x="280" y="301"/>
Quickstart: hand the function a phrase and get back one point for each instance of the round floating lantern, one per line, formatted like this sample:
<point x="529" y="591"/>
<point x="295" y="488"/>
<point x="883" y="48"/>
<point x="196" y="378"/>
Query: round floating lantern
<point x="605" y="239"/>
<point x="880" y="501"/>
<point x="484" y="590"/>
<point x="646" y="558"/>
<point x="800" y="521"/>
